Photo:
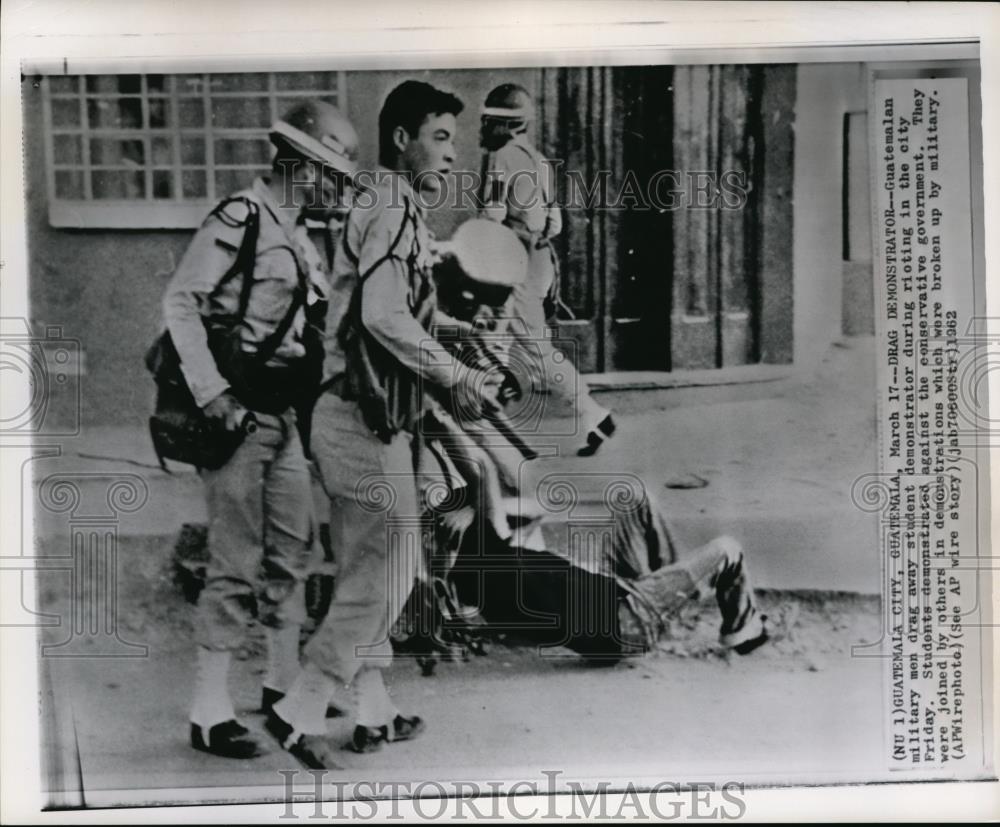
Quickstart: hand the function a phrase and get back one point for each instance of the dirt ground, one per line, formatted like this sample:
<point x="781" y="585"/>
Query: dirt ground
<point x="801" y="706"/>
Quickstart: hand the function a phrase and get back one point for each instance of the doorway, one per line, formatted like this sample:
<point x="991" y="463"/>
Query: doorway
<point x="684" y="261"/>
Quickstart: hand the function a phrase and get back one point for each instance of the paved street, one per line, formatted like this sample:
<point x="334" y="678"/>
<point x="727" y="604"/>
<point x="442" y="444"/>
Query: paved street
<point x="773" y="461"/>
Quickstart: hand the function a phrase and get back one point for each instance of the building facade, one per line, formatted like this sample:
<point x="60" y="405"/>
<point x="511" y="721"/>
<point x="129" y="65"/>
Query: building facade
<point x="715" y="216"/>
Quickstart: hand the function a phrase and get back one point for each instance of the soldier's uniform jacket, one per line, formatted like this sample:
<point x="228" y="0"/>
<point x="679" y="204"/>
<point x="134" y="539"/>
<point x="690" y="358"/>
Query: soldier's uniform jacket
<point x="284" y="256"/>
<point x="383" y="299"/>
<point x="521" y="179"/>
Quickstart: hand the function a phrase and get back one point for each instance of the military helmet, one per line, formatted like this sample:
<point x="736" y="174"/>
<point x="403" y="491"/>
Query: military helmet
<point x="509" y="102"/>
<point x="483" y="263"/>
<point x="319" y="131"/>
<point x="489" y="253"/>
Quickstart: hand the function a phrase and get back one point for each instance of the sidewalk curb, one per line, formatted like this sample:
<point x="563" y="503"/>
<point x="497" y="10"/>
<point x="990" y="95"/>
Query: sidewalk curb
<point x="668" y="380"/>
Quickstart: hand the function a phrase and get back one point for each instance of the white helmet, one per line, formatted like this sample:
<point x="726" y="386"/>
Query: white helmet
<point x="489" y="253"/>
<point x="319" y="131"/>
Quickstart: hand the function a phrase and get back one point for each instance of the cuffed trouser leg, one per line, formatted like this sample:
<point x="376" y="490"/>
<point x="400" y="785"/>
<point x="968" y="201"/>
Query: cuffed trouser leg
<point x="720" y="565"/>
<point x="259" y="511"/>
<point x="375" y="533"/>
<point x="717" y="565"/>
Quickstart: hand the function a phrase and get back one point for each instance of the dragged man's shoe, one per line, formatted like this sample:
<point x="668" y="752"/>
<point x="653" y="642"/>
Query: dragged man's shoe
<point x="269" y="697"/>
<point x="370" y="739"/>
<point x="596" y="436"/>
<point x="230" y="739"/>
<point x="313" y="751"/>
<point x="740" y="643"/>
<point x="403" y="728"/>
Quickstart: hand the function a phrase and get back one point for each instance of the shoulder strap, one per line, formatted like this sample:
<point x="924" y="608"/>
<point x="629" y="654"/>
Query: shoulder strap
<point x="408" y="218"/>
<point x="246" y="255"/>
<point x="243" y="265"/>
<point x="351" y="256"/>
<point x="352" y="317"/>
<point x="270" y="345"/>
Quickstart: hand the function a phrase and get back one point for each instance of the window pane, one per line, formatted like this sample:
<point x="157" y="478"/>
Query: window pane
<point x="66" y="112"/>
<point x="192" y="151"/>
<point x="284" y="104"/>
<point x="190" y="84"/>
<point x="64" y="84"/>
<point x="240" y="113"/>
<point x="230" y="180"/>
<point x="311" y="81"/>
<point x="118" y="184"/>
<point x="116" y="152"/>
<point x="163" y="184"/>
<point x="67" y="149"/>
<point x="111" y="84"/>
<point x="159" y="113"/>
<point x="162" y="150"/>
<point x="191" y="112"/>
<point x="194" y="183"/>
<point x="121" y="113"/>
<point x="242" y="151"/>
<point x="69" y="184"/>
<point x="242" y="82"/>
<point x="157" y="84"/>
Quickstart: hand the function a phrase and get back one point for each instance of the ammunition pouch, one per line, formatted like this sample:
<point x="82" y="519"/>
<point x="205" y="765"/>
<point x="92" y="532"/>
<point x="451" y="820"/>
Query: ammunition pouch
<point x="179" y="429"/>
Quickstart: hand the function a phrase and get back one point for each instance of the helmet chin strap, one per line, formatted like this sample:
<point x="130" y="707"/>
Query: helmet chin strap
<point x="518" y="114"/>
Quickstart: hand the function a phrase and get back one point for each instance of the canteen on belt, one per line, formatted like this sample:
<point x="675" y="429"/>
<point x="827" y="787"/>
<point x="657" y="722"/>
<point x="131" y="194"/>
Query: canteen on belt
<point x="489" y="253"/>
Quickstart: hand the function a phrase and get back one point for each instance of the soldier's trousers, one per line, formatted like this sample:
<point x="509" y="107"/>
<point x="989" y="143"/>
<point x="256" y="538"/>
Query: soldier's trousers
<point x="551" y="371"/>
<point x="259" y="535"/>
<point x="375" y="533"/>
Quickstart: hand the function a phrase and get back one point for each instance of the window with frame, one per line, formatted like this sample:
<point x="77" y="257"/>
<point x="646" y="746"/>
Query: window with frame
<point x="157" y="150"/>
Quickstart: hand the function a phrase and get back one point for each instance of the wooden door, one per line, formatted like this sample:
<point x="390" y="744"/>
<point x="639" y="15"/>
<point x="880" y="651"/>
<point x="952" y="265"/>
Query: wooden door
<point x="695" y="272"/>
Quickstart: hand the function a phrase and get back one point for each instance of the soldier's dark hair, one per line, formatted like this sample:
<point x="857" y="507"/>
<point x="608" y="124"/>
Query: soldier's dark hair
<point x="408" y="106"/>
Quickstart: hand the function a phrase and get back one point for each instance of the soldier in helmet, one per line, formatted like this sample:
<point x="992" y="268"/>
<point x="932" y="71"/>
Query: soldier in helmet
<point x="247" y="340"/>
<point x="519" y="191"/>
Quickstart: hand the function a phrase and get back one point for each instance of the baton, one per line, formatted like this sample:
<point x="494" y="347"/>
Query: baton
<point x="500" y="421"/>
<point x="496" y="417"/>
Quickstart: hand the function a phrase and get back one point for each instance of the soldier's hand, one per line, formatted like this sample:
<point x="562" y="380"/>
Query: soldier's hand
<point x="223" y="410"/>
<point x="439" y="250"/>
<point x="510" y="388"/>
<point x="477" y="393"/>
